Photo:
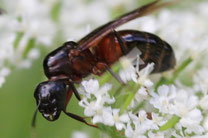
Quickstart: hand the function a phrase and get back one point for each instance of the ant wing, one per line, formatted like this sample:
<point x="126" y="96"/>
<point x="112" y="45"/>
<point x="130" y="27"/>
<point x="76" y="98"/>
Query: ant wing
<point x="95" y="36"/>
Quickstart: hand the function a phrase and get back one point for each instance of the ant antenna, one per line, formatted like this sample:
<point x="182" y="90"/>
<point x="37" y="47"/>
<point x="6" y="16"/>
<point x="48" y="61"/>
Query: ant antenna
<point x="34" y="115"/>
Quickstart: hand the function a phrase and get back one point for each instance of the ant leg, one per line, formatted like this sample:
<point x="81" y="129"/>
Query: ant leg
<point x="121" y="43"/>
<point x="101" y="66"/>
<point x="78" y="118"/>
<point x="117" y="77"/>
<point x="123" y="49"/>
<point x="76" y="93"/>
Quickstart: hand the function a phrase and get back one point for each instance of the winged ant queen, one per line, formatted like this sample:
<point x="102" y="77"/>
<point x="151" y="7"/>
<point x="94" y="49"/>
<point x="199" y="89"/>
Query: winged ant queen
<point x="94" y="54"/>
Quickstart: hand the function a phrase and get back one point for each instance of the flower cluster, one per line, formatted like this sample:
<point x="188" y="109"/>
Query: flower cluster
<point x="22" y="27"/>
<point x="96" y="109"/>
<point x="173" y="104"/>
<point x="167" y="105"/>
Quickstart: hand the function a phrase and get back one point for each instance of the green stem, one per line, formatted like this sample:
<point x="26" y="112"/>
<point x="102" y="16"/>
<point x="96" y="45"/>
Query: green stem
<point x="162" y="80"/>
<point x="180" y="69"/>
<point x="111" y="131"/>
<point x="176" y="73"/>
<point x="136" y="109"/>
<point x="130" y="98"/>
<point x="104" y="79"/>
<point x="170" y="124"/>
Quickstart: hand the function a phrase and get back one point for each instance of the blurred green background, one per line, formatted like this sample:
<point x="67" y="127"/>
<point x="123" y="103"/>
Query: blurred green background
<point x="17" y="106"/>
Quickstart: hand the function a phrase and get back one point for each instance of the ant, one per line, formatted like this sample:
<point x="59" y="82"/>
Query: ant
<point x="94" y="54"/>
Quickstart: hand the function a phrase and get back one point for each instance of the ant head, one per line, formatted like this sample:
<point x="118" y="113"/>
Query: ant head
<point x="50" y="98"/>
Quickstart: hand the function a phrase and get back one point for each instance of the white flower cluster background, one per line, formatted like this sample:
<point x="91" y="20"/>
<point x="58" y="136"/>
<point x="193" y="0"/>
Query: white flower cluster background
<point x="171" y="104"/>
<point x="177" y="107"/>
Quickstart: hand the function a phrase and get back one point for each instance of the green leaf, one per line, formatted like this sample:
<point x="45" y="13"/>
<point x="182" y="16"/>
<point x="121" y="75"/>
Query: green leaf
<point x="170" y="124"/>
<point x="29" y="46"/>
<point x="18" y="38"/>
<point x="55" y="12"/>
<point x="19" y="19"/>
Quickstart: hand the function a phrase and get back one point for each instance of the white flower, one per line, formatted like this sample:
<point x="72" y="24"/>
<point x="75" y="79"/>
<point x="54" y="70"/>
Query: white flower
<point x="90" y="87"/>
<point x="79" y="134"/>
<point x="33" y="53"/>
<point x="205" y="124"/>
<point x="104" y="116"/>
<point x="201" y="80"/>
<point x="98" y="112"/>
<point x="4" y="72"/>
<point x="120" y="120"/>
<point x="156" y="135"/>
<point x="158" y="120"/>
<point x="2" y="80"/>
<point x="201" y="136"/>
<point x="203" y="103"/>
<point x="142" y="93"/>
<point x="95" y="108"/>
<point x="184" y="103"/>
<point x="164" y="99"/>
<point x="180" y="135"/>
<point x="32" y="23"/>
<point x="92" y="107"/>
<point x="185" y="107"/>
<point x="129" y="72"/>
<point x="172" y="101"/>
<point x="141" y="123"/>
<point x="135" y="132"/>
<point x="143" y="74"/>
<point x="192" y="122"/>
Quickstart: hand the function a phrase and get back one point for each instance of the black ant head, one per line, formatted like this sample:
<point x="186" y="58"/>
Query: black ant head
<point x="50" y="98"/>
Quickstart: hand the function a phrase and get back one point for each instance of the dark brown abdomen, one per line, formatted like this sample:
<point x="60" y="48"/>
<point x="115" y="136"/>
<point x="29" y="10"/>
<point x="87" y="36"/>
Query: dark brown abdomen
<point x="153" y="49"/>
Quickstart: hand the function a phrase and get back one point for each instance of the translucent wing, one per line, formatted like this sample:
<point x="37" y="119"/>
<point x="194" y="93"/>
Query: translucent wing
<point x="95" y="36"/>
